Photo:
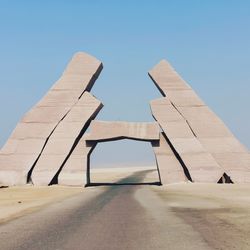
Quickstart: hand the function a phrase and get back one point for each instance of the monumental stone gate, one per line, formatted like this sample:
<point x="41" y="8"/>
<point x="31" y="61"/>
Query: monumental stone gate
<point x="50" y="144"/>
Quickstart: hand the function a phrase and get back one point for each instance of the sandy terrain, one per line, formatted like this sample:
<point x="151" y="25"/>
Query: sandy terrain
<point x="17" y="201"/>
<point x="213" y="215"/>
<point x="112" y="175"/>
<point x="219" y="213"/>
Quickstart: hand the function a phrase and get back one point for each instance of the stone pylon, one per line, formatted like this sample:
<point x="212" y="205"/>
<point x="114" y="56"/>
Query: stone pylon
<point x="47" y="137"/>
<point x="206" y="148"/>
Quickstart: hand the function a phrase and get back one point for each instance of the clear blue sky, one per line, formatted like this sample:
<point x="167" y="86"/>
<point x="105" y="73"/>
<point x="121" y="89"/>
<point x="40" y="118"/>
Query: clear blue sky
<point x="208" y="43"/>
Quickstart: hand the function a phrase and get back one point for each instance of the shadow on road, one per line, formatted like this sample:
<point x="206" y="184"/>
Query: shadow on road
<point x="135" y="179"/>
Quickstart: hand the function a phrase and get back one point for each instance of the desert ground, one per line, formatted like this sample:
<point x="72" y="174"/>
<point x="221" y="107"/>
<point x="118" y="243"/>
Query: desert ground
<point x="180" y="216"/>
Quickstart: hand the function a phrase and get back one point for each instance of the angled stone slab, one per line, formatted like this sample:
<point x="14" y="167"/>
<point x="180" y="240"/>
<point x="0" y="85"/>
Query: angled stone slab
<point x="233" y="161"/>
<point x="184" y="98"/>
<point x="58" y="98"/>
<point x="171" y="171"/>
<point x="32" y="130"/>
<point x="202" y="167"/>
<point x="223" y="145"/>
<point x="162" y="106"/>
<point x="43" y="118"/>
<point x="83" y="64"/>
<point x="45" y="115"/>
<point x="171" y="121"/>
<point x="235" y="164"/>
<point x="197" y="113"/>
<point x="178" y="129"/>
<point x="73" y="82"/>
<point x="62" y="142"/>
<point x="28" y="146"/>
<point x="239" y="175"/>
<point x="166" y="78"/>
<point x="219" y="144"/>
<point x="218" y="140"/>
<point x="15" y="168"/>
<point x="208" y="128"/>
<point x="186" y="144"/>
<point x="74" y="170"/>
<point x="103" y="130"/>
<point x="204" y="122"/>
<point x="231" y="155"/>
<point x="80" y="73"/>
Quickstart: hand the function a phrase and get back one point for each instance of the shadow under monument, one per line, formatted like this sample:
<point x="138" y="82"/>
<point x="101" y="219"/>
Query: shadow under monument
<point x="135" y="179"/>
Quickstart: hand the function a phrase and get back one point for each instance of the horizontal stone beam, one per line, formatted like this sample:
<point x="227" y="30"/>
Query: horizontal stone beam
<point x="109" y="130"/>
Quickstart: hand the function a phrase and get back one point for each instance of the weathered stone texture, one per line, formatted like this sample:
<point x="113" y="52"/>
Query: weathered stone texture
<point x="104" y="130"/>
<point x="74" y="171"/>
<point x="204" y="143"/>
<point x="50" y="144"/>
<point x="32" y="132"/>
<point x="64" y="139"/>
<point x="184" y="141"/>
<point x="170" y="169"/>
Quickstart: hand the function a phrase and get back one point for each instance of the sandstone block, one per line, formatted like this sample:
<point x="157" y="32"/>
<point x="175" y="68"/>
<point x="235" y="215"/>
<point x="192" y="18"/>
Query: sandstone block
<point x="165" y="78"/>
<point x="177" y="129"/>
<point x="102" y="130"/>
<point x="62" y="143"/>
<point x="184" y="98"/>
<point x="170" y="169"/>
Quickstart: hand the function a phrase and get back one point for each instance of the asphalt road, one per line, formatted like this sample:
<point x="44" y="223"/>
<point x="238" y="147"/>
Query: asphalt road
<point x="121" y="217"/>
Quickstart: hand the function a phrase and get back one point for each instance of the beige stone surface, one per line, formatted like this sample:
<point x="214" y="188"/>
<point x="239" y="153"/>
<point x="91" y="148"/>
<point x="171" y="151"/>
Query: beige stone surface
<point x="199" y="136"/>
<point x="73" y="178"/>
<point x="74" y="170"/>
<point x="184" y="98"/>
<point x="50" y="134"/>
<point x="235" y="164"/>
<point x="169" y="167"/>
<point x="28" y="146"/>
<point x="63" y="141"/>
<point x="57" y="98"/>
<point x="11" y="177"/>
<point x="37" y="125"/>
<point x="203" y="167"/>
<point x="32" y="130"/>
<point x="187" y="145"/>
<point x="204" y="122"/>
<point x="196" y="113"/>
<point x="14" y="168"/>
<point x="177" y="129"/>
<point x="170" y="170"/>
<point x="105" y="130"/>
<point x="80" y="73"/>
<point x="233" y="161"/>
<point x="223" y="145"/>
<point x="162" y="106"/>
<point x="45" y="115"/>
<point x="166" y="78"/>
<point x="239" y="175"/>
<point x="72" y="82"/>
<point x="209" y="128"/>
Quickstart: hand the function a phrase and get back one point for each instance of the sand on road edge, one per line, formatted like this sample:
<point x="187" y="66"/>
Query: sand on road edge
<point x="21" y="200"/>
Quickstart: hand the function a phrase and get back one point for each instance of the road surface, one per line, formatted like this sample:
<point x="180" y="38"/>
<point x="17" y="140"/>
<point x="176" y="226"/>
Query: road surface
<point x="122" y="217"/>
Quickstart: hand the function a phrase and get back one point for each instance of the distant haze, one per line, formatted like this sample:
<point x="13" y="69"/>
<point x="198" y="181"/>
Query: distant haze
<point x="207" y="42"/>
